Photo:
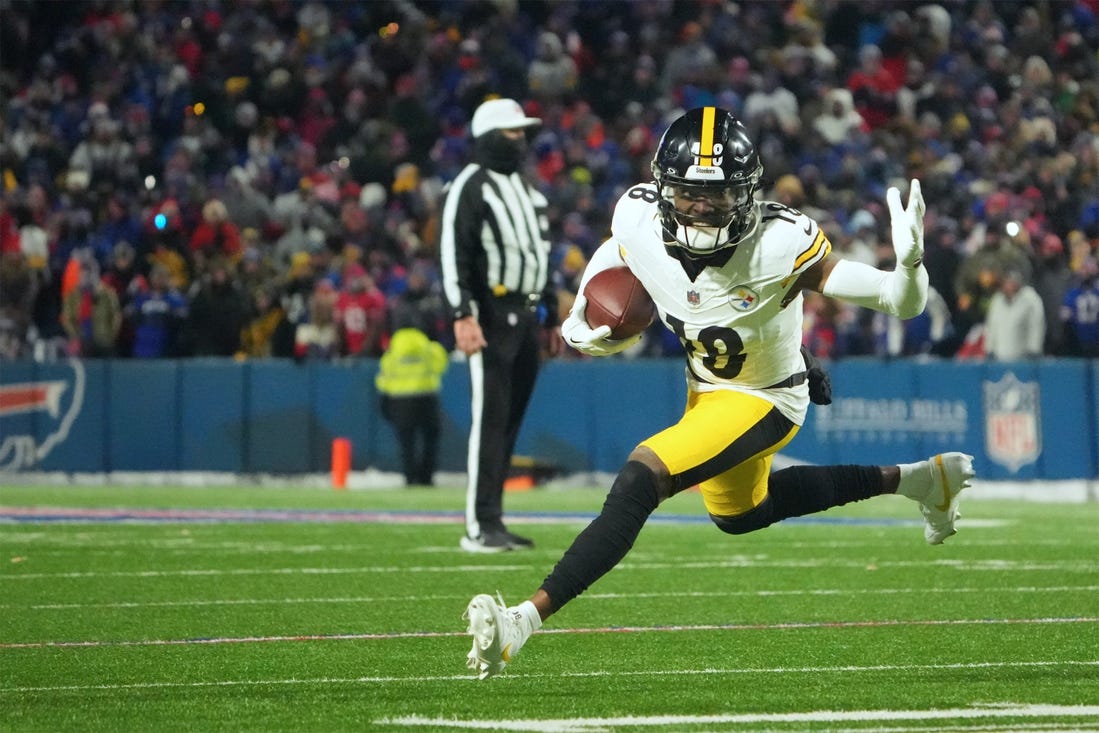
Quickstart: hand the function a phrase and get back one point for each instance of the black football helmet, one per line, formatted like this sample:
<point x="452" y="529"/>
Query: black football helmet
<point x="706" y="164"/>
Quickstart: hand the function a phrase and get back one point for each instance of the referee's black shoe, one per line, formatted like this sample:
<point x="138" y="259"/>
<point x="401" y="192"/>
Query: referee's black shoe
<point x="490" y="540"/>
<point x="518" y="542"/>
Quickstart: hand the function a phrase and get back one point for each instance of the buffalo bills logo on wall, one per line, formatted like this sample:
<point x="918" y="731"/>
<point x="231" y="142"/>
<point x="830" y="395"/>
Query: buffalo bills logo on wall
<point x="54" y="402"/>
<point x="1013" y="435"/>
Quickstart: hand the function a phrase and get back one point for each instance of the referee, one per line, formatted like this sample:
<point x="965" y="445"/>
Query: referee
<point x="495" y="265"/>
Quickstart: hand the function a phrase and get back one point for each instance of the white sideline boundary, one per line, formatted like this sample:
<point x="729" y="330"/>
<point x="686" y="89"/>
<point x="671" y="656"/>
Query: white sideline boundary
<point x="1058" y="714"/>
<point x="1070" y="491"/>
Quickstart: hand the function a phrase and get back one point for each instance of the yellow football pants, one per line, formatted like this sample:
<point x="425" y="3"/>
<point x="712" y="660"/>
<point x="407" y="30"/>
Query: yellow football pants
<point x="724" y="444"/>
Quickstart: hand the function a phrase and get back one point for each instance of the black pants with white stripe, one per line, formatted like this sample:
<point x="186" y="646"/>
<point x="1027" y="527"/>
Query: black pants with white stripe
<point x="502" y="378"/>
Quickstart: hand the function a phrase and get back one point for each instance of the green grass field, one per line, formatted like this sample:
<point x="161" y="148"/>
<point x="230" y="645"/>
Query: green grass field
<point x="167" y="608"/>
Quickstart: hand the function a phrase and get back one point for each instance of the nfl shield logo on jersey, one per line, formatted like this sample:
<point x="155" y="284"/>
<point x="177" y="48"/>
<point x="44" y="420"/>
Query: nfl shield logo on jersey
<point x="1013" y="435"/>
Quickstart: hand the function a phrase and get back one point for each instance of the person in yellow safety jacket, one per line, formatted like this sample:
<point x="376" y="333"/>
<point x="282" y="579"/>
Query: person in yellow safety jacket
<point x="408" y="382"/>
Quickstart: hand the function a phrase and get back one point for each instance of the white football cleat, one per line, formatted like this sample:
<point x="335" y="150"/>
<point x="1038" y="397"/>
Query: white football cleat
<point x="951" y="473"/>
<point x="498" y="634"/>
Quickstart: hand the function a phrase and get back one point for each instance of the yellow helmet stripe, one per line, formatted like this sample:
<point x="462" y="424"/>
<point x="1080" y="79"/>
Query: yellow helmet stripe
<point x="706" y="144"/>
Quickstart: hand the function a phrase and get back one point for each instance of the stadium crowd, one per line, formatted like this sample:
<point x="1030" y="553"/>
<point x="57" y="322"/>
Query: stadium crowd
<point x="263" y="178"/>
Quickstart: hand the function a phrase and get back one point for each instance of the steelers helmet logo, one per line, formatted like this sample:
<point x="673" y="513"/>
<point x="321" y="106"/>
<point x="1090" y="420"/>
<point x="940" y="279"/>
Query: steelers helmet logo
<point x="743" y="298"/>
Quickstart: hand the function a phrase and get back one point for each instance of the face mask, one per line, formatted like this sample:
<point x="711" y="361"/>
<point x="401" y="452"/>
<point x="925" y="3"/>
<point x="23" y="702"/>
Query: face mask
<point x="702" y="221"/>
<point x="701" y="240"/>
<point x="500" y="153"/>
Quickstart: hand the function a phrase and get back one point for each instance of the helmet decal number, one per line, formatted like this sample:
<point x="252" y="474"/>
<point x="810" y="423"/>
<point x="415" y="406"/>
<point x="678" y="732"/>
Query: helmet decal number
<point x="715" y="158"/>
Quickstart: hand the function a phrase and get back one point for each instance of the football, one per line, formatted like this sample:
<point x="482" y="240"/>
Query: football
<point x="617" y="299"/>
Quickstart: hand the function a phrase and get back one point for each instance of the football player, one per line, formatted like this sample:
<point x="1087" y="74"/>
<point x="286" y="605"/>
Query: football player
<point x="726" y="273"/>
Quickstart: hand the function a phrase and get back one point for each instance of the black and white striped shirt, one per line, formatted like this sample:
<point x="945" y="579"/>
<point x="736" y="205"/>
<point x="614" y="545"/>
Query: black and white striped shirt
<point x="494" y="241"/>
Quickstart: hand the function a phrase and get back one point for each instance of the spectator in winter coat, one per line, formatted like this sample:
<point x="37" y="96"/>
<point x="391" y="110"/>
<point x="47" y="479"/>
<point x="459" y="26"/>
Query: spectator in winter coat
<point x="873" y="87"/>
<point x="215" y="237"/>
<point x="1053" y="279"/>
<point x="90" y="315"/>
<point x="1016" y="324"/>
<point x="360" y="313"/>
<point x="157" y="315"/>
<point x="219" y="310"/>
<point x="1080" y="313"/>
<point x="552" y="74"/>
<point x="839" y="121"/>
<point x="319" y="337"/>
<point x="257" y="337"/>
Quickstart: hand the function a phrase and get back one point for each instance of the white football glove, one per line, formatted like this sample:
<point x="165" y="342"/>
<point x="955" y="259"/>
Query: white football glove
<point x="907" y="224"/>
<point x="592" y="341"/>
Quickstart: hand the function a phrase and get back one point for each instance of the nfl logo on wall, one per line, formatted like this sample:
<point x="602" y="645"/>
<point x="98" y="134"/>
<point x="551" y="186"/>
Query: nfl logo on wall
<point x="1013" y="435"/>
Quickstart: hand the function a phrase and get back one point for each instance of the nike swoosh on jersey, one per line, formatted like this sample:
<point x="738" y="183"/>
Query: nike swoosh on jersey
<point x="945" y="506"/>
<point x="505" y="653"/>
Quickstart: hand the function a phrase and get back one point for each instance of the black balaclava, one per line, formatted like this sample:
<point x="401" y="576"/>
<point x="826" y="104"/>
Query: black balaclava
<point x="499" y="153"/>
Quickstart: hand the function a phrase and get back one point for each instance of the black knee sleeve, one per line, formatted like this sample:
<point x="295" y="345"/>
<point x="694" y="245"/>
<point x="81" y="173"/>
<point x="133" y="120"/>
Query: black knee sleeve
<point x="605" y="541"/>
<point x="801" y="490"/>
<point x="751" y="520"/>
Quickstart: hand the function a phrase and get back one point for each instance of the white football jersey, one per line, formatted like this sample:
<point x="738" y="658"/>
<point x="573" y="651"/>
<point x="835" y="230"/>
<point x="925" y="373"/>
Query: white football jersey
<point x="730" y="319"/>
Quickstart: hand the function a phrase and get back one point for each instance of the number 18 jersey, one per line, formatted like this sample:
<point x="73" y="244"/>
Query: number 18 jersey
<point x="730" y="318"/>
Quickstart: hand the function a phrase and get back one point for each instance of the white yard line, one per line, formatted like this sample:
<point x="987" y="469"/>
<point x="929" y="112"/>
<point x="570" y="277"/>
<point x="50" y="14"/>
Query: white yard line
<point x="656" y="673"/>
<point x="1001" y="589"/>
<point x="591" y="725"/>
<point x="991" y="564"/>
<point x="785" y="626"/>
